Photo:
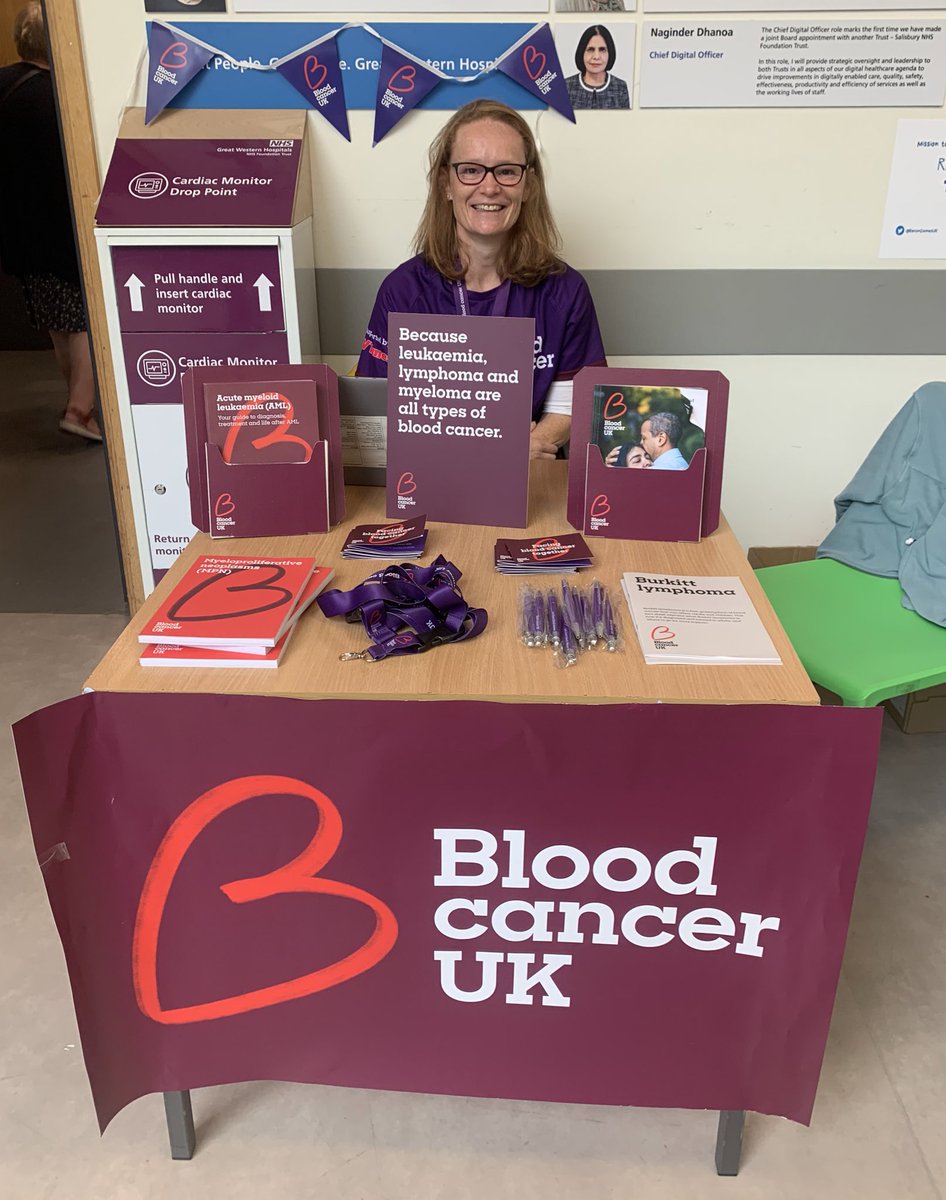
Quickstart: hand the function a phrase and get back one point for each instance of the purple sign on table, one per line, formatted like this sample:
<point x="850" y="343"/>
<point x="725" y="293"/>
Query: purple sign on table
<point x="459" y="415"/>
<point x="184" y="289"/>
<point x="207" y="182"/>
<point x="235" y="902"/>
<point x="155" y="362"/>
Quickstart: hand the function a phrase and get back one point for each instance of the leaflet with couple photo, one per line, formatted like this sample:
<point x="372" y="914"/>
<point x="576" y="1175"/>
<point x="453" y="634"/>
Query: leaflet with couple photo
<point x="648" y="427"/>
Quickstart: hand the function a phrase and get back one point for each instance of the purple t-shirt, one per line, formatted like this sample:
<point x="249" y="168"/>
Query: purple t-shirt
<point x="567" y="337"/>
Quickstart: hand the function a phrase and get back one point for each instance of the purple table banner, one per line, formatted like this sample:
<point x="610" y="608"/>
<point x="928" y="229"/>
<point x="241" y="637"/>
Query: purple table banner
<point x="242" y="892"/>
<point x="155" y="362"/>
<point x="204" y="182"/>
<point x="198" y="289"/>
<point x="459" y="416"/>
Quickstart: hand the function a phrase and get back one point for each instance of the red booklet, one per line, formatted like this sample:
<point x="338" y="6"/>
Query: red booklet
<point x="228" y="602"/>
<point x="202" y="656"/>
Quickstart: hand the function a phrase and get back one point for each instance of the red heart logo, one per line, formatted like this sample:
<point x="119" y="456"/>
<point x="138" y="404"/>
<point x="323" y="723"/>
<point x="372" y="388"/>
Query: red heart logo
<point x="547" y="546"/>
<point x="310" y="66"/>
<point x="408" y="75"/>
<point x="614" y="407"/>
<point x="660" y="633"/>
<point x="406" y="484"/>
<point x="298" y="876"/>
<point x="205" y="600"/>
<point x="534" y="62"/>
<point x="600" y="506"/>
<point x="224" y="506"/>
<point x="175" y="56"/>
<point x="277" y="436"/>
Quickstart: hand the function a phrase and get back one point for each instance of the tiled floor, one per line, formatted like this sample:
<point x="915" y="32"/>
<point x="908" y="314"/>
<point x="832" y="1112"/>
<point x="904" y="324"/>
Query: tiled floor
<point x="877" y="1132"/>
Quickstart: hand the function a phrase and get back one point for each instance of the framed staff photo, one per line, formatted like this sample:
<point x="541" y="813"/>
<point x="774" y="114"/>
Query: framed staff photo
<point x="185" y="6"/>
<point x="598" y="61"/>
<point x="596" y="8"/>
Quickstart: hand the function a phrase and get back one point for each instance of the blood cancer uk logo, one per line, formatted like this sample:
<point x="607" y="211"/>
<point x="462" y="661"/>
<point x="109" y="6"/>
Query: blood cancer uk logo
<point x="598" y="512"/>
<point x="401" y="84"/>
<point x="301" y="876"/>
<point x="662" y="636"/>
<point x="406" y="486"/>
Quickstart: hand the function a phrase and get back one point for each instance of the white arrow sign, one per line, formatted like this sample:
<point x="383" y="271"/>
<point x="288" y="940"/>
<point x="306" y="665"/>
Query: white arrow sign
<point x="264" y="287"/>
<point x="135" y="287"/>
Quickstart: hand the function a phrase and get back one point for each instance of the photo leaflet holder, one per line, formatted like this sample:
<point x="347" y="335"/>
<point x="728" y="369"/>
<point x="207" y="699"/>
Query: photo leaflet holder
<point x="643" y="506"/>
<point x="270" y="499"/>
<point x="610" y="407"/>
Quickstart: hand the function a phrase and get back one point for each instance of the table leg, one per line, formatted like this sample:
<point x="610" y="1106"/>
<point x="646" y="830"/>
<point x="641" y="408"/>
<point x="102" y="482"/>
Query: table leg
<point x="729" y="1141"/>
<point x="180" y="1119"/>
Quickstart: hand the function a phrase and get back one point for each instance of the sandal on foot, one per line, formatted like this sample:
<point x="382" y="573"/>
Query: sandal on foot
<point x="82" y="425"/>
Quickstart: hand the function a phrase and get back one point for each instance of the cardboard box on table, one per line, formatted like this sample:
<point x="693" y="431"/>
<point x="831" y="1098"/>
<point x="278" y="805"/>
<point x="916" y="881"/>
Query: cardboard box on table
<point x="204" y="232"/>
<point x="646" y="505"/>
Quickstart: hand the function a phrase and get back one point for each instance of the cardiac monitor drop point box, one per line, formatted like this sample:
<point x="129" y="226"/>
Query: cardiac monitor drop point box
<point x="204" y="235"/>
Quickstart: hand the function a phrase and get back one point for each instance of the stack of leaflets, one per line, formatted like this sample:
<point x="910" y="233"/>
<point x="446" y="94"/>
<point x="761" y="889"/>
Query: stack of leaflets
<point x="544" y="556"/>
<point x="232" y="612"/>
<point x="400" y="539"/>
<point x="704" y="619"/>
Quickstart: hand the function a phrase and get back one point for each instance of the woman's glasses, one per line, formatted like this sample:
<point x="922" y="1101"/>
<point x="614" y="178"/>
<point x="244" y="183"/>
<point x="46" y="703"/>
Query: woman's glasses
<point x="507" y="174"/>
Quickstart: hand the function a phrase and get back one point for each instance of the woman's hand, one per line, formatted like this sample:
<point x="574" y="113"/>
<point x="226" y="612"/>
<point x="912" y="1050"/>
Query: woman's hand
<point x="612" y="459"/>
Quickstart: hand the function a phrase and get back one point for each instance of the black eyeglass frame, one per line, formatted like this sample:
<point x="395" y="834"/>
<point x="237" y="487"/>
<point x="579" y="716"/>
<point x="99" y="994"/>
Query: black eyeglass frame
<point x="522" y="168"/>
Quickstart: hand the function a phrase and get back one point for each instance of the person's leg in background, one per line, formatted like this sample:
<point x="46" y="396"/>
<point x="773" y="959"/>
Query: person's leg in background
<point x="74" y="356"/>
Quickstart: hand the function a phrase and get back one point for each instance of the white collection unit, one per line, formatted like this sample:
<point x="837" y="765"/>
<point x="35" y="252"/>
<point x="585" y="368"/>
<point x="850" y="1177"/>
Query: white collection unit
<point x="207" y="294"/>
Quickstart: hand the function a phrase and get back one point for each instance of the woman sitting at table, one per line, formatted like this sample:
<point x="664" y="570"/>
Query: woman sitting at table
<point x="487" y="245"/>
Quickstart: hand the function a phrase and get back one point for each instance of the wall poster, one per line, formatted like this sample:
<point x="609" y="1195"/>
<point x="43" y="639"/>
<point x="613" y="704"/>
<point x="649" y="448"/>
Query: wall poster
<point x="915" y="217"/>
<point x="755" y="64"/>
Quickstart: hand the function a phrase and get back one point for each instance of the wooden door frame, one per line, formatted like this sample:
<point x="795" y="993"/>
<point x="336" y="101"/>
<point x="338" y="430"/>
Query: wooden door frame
<point x="78" y="139"/>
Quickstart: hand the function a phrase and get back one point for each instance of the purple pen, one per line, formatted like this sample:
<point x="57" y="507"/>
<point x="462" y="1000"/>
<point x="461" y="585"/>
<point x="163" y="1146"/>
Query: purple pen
<point x="610" y="628"/>
<point x="526" y="606"/>
<point x="597" y="608"/>
<point x="571" y="614"/>
<point x="569" y="645"/>
<point x="587" y="620"/>
<point x="554" y="614"/>
<point x="539" y="637"/>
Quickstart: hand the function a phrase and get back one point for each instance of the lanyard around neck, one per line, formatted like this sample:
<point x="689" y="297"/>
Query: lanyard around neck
<point x="497" y="308"/>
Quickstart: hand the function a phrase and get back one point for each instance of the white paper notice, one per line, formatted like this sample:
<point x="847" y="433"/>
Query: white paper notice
<point x="728" y="6"/>
<point x="356" y="11"/>
<point x="364" y="441"/>
<point x="757" y="64"/>
<point x="915" y="217"/>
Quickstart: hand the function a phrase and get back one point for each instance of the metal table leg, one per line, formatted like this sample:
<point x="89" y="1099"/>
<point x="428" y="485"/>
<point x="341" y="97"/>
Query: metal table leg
<point x="729" y="1141"/>
<point x="180" y="1119"/>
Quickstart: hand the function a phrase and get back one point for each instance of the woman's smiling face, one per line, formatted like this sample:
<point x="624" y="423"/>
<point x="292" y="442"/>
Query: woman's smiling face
<point x="486" y="209"/>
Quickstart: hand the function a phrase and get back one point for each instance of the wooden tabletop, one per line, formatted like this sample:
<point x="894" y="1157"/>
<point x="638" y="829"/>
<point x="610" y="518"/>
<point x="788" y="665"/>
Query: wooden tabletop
<point x="495" y="665"/>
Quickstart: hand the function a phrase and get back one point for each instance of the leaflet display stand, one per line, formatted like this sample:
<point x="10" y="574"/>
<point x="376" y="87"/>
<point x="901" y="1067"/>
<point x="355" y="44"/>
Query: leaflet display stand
<point x="607" y="499"/>
<point x="204" y="235"/>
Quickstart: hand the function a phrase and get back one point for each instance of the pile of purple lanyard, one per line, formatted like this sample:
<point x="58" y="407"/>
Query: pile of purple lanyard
<point x="407" y="609"/>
